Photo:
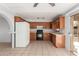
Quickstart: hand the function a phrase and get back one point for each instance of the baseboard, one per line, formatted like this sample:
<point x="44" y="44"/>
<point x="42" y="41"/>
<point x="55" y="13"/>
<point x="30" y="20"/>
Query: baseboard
<point x="5" y="42"/>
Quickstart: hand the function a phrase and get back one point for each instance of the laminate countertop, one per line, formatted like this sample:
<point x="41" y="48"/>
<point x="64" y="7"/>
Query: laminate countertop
<point x="44" y="30"/>
<point x="57" y="33"/>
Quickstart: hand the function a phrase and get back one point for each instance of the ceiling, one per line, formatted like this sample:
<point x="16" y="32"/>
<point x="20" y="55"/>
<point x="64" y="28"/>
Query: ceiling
<point x="42" y="11"/>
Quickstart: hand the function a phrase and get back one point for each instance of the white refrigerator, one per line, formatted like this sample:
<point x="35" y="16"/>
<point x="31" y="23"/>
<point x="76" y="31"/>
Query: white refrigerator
<point x="22" y="34"/>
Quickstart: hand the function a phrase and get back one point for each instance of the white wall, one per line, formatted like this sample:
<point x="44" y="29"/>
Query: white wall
<point x="4" y="31"/>
<point x="67" y="25"/>
<point x="5" y="13"/>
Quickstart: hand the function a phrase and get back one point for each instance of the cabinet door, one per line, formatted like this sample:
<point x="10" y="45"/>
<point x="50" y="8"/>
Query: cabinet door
<point x="52" y="25"/>
<point x="62" y="22"/>
<point x="32" y="36"/>
<point x="60" y="41"/>
<point x="46" y="36"/>
<point x="58" y="24"/>
<point x="50" y="37"/>
<point x="55" y="25"/>
<point x="53" y="39"/>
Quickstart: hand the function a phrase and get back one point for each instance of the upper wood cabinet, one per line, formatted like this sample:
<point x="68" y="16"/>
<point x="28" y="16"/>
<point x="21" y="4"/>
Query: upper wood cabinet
<point x="18" y="19"/>
<point x="59" y="23"/>
<point x="52" y="25"/>
<point x="46" y="25"/>
<point x="62" y="22"/>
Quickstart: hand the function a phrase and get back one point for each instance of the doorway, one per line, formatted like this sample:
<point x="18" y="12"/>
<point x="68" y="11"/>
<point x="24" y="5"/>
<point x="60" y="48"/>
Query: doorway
<point x="5" y="35"/>
<point x="75" y="34"/>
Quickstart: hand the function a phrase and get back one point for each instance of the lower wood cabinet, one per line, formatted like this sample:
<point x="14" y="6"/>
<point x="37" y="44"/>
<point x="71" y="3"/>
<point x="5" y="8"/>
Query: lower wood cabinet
<point x="46" y="36"/>
<point x="54" y="39"/>
<point x="32" y="36"/>
<point x="58" y="41"/>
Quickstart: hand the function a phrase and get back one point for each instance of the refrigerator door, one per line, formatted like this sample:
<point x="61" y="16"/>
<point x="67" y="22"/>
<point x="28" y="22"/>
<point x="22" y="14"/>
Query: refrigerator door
<point x="22" y="34"/>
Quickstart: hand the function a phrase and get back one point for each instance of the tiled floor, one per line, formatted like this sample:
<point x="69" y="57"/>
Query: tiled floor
<point x="35" y="48"/>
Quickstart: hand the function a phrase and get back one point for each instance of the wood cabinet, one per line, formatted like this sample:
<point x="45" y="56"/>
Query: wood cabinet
<point x="32" y="36"/>
<point x="53" y="39"/>
<point x="18" y="19"/>
<point x="59" y="23"/>
<point x="46" y="36"/>
<point x="58" y="41"/>
<point x="51" y="35"/>
<point x="46" y="25"/>
<point x="52" y="25"/>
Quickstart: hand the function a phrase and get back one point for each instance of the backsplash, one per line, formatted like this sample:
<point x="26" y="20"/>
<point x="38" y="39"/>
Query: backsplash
<point x="44" y="30"/>
<point x="60" y="30"/>
<point x="48" y="30"/>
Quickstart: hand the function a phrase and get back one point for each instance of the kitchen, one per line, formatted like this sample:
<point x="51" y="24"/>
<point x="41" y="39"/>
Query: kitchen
<point x="50" y="31"/>
<point x="44" y="28"/>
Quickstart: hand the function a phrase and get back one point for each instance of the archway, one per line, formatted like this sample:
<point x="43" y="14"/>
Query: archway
<point x="5" y="32"/>
<point x="5" y="37"/>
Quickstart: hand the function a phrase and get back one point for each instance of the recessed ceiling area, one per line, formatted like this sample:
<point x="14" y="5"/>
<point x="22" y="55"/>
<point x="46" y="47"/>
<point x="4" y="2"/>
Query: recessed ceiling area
<point x="43" y="10"/>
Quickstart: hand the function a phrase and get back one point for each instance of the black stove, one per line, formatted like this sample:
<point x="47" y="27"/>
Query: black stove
<point x="39" y="35"/>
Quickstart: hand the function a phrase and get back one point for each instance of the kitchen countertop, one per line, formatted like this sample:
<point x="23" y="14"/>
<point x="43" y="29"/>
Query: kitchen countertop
<point x="57" y="33"/>
<point x="44" y="30"/>
<point x="47" y="31"/>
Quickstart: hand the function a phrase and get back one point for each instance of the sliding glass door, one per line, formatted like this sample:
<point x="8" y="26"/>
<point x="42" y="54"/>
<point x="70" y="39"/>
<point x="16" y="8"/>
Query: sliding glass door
<point x="75" y="34"/>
